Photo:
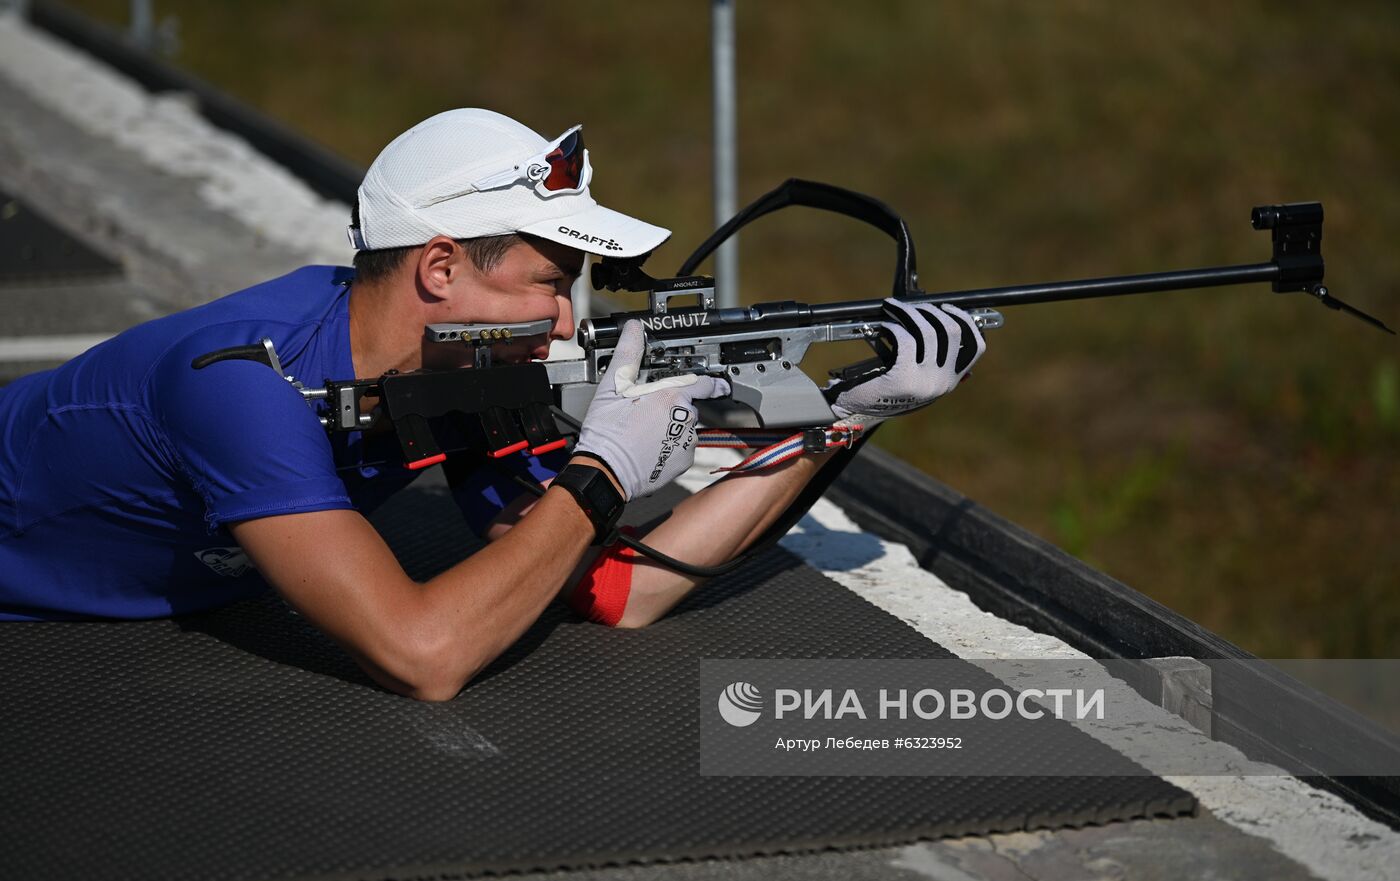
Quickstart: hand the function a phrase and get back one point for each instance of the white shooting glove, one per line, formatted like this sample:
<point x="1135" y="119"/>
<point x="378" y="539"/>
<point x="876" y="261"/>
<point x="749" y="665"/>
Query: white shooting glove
<point x="644" y="433"/>
<point x="930" y="361"/>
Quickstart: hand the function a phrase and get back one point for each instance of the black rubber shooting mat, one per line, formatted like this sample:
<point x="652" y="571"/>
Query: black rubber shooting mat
<point x="242" y="744"/>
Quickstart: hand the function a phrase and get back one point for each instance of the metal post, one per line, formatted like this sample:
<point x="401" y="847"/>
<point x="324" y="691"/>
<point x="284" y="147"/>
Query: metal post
<point x="141" y="23"/>
<point x="726" y="155"/>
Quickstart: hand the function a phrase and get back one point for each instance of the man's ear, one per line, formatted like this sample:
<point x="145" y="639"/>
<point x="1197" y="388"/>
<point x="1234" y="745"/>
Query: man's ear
<point x="439" y="264"/>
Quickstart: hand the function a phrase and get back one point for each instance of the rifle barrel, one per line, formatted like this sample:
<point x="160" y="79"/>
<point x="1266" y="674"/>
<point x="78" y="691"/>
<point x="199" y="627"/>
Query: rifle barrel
<point x="1113" y="286"/>
<point x="603" y="331"/>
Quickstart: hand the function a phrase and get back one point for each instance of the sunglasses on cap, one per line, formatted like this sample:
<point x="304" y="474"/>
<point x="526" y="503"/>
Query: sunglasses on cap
<point x="560" y="169"/>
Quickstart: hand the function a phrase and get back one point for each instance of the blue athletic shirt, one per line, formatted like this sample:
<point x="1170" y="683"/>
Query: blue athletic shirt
<point x="120" y="470"/>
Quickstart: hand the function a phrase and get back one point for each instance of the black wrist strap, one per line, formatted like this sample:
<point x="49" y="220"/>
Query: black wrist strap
<point x="596" y="496"/>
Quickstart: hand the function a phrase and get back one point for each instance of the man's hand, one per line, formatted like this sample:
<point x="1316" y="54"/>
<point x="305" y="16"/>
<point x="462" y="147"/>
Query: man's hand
<point x="930" y="361"/>
<point x="644" y="434"/>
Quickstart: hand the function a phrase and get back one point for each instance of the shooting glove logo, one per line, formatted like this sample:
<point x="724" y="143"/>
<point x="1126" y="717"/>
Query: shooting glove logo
<point x="643" y="432"/>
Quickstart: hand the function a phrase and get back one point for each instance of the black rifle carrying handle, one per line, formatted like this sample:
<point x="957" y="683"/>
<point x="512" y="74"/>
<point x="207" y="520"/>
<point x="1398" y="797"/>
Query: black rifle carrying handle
<point x="811" y="194"/>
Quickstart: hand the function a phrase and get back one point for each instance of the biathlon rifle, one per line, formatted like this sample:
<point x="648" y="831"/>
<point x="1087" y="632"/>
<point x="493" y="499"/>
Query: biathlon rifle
<point x="503" y="409"/>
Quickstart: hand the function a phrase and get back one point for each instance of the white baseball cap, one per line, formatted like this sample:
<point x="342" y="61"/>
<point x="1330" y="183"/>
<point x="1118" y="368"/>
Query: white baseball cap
<point x="468" y="173"/>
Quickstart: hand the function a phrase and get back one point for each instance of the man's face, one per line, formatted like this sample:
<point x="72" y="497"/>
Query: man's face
<point x="531" y="282"/>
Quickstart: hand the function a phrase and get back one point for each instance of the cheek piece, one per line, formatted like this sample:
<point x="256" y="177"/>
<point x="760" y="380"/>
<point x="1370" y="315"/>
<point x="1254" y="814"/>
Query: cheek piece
<point x="601" y="595"/>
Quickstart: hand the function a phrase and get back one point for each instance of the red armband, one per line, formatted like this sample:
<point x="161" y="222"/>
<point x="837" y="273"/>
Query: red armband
<point x="602" y="592"/>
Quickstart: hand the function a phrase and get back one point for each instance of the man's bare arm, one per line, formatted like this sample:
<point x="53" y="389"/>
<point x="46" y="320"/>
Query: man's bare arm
<point x="711" y="527"/>
<point x="424" y="640"/>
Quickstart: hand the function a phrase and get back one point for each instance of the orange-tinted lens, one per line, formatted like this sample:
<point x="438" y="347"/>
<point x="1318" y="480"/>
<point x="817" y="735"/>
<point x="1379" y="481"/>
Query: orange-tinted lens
<point x="565" y="164"/>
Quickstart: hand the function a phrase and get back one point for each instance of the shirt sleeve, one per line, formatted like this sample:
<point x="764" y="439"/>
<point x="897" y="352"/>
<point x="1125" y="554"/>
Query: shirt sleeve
<point x="488" y="489"/>
<point x="246" y="440"/>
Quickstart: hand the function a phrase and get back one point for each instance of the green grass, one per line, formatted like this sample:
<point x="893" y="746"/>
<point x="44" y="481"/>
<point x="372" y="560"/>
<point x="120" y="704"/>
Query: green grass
<point x="1231" y="453"/>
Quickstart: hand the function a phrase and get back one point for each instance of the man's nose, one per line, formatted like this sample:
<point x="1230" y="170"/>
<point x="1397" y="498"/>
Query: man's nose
<point x="563" y="327"/>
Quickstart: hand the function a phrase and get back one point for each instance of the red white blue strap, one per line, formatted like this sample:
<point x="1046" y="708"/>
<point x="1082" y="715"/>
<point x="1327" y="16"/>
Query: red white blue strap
<point x="775" y="447"/>
<point x="774" y="454"/>
<point x="741" y="439"/>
